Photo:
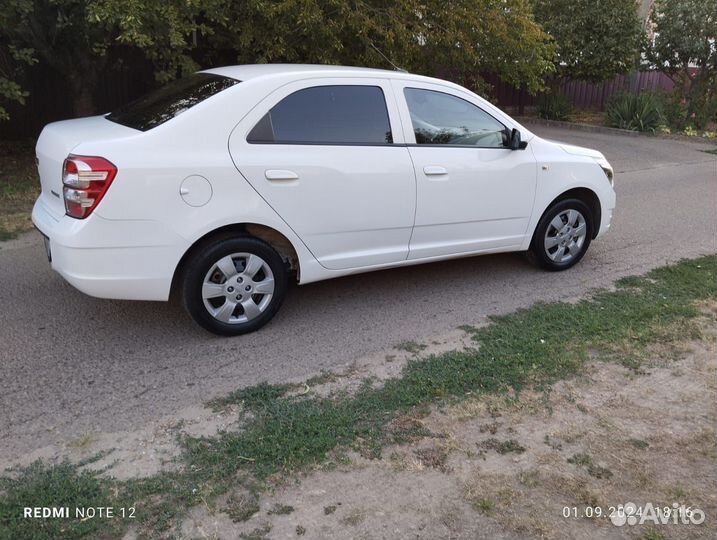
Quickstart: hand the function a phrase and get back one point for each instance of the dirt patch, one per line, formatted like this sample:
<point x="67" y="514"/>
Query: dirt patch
<point x="515" y="466"/>
<point x="134" y="454"/>
<point x="382" y="365"/>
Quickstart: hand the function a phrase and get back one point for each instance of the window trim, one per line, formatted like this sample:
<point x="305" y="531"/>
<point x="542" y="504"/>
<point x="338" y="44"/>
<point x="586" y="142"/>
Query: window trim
<point x="431" y="145"/>
<point x="296" y="143"/>
<point x="327" y="143"/>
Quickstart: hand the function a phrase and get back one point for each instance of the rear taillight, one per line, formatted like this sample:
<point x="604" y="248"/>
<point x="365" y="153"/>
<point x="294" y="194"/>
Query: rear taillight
<point x="85" y="180"/>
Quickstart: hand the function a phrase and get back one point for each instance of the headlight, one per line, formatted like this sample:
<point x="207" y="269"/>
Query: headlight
<point x="607" y="169"/>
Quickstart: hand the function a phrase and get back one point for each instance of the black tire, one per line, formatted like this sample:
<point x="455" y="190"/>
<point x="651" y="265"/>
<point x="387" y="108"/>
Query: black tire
<point x="540" y="255"/>
<point x="205" y="259"/>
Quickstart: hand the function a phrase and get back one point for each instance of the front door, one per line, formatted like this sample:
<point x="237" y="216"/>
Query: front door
<point x="473" y="193"/>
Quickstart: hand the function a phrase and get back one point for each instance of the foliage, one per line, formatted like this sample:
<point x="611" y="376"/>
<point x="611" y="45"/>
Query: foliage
<point x="168" y="33"/>
<point x="674" y="110"/>
<point x="11" y="61"/>
<point x="685" y="48"/>
<point x="554" y="106"/>
<point x="79" y="38"/>
<point x="58" y="34"/>
<point x="641" y="112"/>
<point x="464" y="36"/>
<point x="596" y="40"/>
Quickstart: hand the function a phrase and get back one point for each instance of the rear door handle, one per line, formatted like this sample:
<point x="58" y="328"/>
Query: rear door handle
<point x="280" y="174"/>
<point x="434" y="170"/>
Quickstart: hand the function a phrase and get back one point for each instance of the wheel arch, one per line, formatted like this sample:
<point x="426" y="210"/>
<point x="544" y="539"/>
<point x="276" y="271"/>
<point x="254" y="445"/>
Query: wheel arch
<point x="271" y="236"/>
<point x="586" y="195"/>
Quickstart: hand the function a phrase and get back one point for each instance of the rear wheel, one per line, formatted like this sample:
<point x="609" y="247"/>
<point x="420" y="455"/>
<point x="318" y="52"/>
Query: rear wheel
<point x="563" y="235"/>
<point x="234" y="285"/>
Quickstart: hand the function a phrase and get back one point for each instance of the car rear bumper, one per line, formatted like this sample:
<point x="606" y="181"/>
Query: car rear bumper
<point x="126" y="260"/>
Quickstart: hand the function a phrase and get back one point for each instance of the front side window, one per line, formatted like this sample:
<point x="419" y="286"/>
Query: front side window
<point x="440" y="118"/>
<point x="169" y="101"/>
<point x="327" y="115"/>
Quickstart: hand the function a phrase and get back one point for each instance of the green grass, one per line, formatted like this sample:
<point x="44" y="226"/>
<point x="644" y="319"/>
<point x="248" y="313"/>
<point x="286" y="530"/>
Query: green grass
<point x="484" y="506"/>
<point x="253" y="397"/>
<point x="242" y="507"/>
<point x="19" y="187"/>
<point x="411" y="347"/>
<point x="503" y="447"/>
<point x="581" y="460"/>
<point x="6" y="234"/>
<point x="62" y="485"/>
<point x="284" y="432"/>
<point x="281" y="510"/>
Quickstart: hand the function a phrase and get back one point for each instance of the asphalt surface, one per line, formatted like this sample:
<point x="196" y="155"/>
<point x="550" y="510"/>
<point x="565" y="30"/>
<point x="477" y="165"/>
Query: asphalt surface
<point x="71" y="364"/>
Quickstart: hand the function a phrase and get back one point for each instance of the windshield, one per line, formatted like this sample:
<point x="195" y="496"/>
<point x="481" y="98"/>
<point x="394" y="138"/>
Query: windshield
<point x="165" y="103"/>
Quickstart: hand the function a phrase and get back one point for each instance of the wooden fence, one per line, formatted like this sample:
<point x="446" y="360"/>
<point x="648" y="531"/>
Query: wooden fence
<point x="582" y="94"/>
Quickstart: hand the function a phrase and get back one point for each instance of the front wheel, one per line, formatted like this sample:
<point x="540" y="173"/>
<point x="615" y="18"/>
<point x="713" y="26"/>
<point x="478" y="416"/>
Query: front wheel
<point x="563" y="235"/>
<point x="234" y="285"/>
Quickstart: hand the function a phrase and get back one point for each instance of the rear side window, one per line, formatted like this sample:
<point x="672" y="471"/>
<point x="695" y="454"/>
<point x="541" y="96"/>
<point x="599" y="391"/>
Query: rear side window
<point x="327" y="115"/>
<point x="169" y="101"/>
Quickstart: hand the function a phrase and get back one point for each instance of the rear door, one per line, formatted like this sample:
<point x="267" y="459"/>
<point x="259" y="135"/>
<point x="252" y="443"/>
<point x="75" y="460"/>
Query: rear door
<point x="324" y="154"/>
<point x="473" y="193"/>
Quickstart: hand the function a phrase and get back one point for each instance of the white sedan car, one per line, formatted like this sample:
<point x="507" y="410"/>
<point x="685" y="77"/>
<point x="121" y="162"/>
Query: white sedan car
<point x="219" y="186"/>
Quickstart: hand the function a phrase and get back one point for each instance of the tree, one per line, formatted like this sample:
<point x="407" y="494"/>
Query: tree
<point x="169" y="33"/>
<point x="596" y="39"/>
<point x="467" y="38"/>
<point x="12" y="60"/>
<point x="58" y="34"/>
<point x="77" y="38"/>
<point x="684" y="48"/>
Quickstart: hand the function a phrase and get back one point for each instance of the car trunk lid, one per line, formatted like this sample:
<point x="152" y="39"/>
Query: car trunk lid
<point x="57" y="141"/>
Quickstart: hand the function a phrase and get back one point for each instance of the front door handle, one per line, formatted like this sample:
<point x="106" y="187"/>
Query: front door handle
<point x="434" y="170"/>
<point x="280" y="174"/>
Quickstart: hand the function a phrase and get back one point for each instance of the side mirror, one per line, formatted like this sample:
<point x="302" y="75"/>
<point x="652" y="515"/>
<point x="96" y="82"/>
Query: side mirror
<point x="515" y="142"/>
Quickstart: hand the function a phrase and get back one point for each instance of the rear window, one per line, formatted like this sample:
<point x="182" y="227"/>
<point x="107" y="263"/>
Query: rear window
<point x="171" y="100"/>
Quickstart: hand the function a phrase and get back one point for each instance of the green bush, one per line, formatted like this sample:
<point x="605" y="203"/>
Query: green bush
<point x="641" y="112"/>
<point x="674" y="110"/>
<point x="553" y="106"/>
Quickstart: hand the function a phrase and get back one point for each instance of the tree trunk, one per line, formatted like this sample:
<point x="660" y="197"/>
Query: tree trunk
<point x="83" y="103"/>
<point x="83" y="86"/>
<point x="521" y="101"/>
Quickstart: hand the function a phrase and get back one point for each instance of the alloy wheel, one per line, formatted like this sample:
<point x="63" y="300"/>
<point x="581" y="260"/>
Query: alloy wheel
<point x="238" y="288"/>
<point x="565" y="236"/>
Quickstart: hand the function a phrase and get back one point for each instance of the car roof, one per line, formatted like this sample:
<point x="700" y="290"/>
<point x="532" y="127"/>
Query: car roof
<point x="254" y="71"/>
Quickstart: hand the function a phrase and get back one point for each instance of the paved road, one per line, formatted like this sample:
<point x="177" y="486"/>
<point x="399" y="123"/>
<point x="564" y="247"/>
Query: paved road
<point x="70" y="364"/>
